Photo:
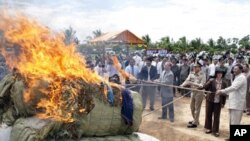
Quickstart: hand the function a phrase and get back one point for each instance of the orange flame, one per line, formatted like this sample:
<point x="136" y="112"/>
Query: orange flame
<point x="122" y="73"/>
<point x="43" y="55"/>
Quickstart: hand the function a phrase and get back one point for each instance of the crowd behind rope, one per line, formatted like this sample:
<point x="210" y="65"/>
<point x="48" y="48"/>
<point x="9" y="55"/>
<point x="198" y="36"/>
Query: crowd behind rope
<point x="224" y="75"/>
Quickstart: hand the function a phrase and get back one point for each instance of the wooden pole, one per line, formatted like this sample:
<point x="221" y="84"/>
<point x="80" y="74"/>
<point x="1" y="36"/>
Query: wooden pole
<point x="157" y="83"/>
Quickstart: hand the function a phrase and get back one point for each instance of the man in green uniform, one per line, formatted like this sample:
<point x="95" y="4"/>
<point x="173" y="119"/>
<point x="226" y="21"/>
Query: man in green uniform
<point x="196" y="80"/>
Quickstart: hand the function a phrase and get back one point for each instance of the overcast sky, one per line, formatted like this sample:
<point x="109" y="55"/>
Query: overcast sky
<point x="158" y="18"/>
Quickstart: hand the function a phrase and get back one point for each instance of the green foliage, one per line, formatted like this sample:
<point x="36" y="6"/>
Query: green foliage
<point x="147" y="41"/>
<point x="97" y="33"/>
<point x="245" y="42"/>
<point x="234" y="51"/>
<point x="165" y="43"/>
<point x="182" y="45"/>
<point x="70" y="36"/>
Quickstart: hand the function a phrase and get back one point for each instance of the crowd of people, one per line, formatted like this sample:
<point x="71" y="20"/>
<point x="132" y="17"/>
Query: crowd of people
<point x="220" y="77"/>
<point x="214" y="78"/>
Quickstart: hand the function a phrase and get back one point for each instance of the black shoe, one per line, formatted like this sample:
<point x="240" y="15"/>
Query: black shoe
<point x="190" y="122"/>
<point x="217" y="134"/>
<point x="171" y="120"/>
<point x="208" y="132"/>
<point x="152" y="109"/>
<point x="191" y="126"/>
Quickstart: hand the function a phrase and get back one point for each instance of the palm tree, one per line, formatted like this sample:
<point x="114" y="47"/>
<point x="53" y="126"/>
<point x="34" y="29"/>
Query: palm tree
<point x="235" y="43"/>
<point x="211" y="43"/>
<point x="70" y="36"/>
<point x="88" y="38"/>
<point x="182" y="44"/>
<point x="196" y="44"/>
<point x="245" y="42"/>
<point x="97" y="33"/>
<point x="147" y="40"/>
<point x="165" y="43"/>
<point x="235" y="40"/>
<point x="221" y="43"/>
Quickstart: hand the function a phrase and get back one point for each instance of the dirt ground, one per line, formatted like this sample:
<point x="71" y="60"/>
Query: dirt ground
<point x="164" y="130"/>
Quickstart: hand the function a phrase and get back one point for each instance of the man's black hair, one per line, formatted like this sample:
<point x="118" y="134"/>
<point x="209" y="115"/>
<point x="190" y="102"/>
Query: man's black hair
<point x="239" y="66"/>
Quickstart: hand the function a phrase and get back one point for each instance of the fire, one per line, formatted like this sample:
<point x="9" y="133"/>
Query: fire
<point x="122" y="73"/>
<point x="44" y="56"/>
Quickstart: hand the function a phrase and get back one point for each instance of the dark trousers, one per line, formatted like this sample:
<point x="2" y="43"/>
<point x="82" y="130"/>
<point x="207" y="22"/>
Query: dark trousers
<point x="170" y="107"/>
<point x="212" y="120"/>
<point x="176" y="83"/>
<point x="148" y="91"/>
<point x="248" y="102"/>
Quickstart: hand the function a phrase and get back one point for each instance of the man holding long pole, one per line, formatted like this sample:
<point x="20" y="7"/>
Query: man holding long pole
<point x="148" y="74"/>
<point x="237" y="95"/>
<point x="196" y="80"/>
<point x="167" y="96"/>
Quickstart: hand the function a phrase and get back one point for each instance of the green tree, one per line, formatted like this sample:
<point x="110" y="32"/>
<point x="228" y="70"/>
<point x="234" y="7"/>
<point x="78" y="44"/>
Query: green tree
<point x="195" y="44"/>
<point x="211" y="43"/>
<point x="221" y="43"/>
<point x="245" y="42"/>
<point x="70" y="36"/>
<point x="165" y="43"/>
<point x="233" y="43"/>
<point x="235" y="40"/>
<point x="181" y="45"/>
<point x="211" y="46"/>
<point x="147" y="40"/>
<point x="88" y="39"/>
<point x="97" y="33"/>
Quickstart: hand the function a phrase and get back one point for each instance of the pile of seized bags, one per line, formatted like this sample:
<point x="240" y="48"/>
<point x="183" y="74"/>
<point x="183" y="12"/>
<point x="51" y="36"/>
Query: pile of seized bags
<point x="106" y="117"/>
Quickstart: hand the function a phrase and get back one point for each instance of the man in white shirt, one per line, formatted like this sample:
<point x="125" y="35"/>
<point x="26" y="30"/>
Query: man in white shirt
<point x="137" y="59"/>
<point x="158" y="64"/>
<point x="142" y="63"/>
<point x="100" y="69"/>
<point x="132" y="69"/>
<point x="148" y="74"/>
<point x="212" y="66"/>
<point x="111" y="70"/>
<point x="237" y="95"/>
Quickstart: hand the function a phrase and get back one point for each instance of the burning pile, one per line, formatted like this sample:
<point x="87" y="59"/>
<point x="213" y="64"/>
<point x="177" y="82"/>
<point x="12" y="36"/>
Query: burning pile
<point x="51" y="85"/>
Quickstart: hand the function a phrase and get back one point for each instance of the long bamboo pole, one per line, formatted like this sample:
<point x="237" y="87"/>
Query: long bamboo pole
<point x="157" y="83"/>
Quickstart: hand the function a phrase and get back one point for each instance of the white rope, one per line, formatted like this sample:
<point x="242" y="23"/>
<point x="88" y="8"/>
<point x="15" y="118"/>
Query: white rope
<point x="157" y="84"/>
<point x="166" y="104"/>
<point x="133" y="86"/>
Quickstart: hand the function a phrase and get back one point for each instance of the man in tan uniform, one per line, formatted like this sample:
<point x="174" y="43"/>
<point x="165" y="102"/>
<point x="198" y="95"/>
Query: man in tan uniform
<point x="196" y="80"/>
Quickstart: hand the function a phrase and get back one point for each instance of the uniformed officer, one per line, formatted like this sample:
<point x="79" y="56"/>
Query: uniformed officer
<point x="195" y="80"/>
